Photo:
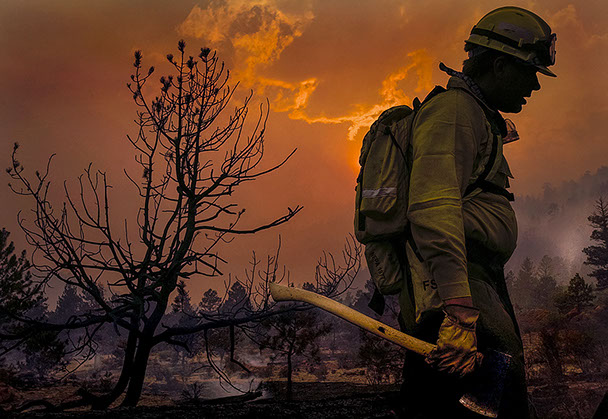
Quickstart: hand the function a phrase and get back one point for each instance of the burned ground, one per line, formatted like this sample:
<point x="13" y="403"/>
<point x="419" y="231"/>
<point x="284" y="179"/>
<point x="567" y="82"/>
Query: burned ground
<point x="324" y="400"/>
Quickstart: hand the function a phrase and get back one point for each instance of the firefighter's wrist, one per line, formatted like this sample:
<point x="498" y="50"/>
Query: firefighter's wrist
<point x="462" y="311"/>
<point x="459" y="301"/>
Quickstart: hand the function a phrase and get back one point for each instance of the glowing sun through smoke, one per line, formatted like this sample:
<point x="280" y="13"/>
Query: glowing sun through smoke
<point x="259" y="31"/>
<point x="390" y="92"/>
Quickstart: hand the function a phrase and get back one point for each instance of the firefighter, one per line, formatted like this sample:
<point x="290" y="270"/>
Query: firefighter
<point x="462" y="224"/>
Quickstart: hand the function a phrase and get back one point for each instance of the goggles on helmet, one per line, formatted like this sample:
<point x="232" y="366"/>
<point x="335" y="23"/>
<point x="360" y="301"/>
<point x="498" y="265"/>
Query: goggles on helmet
<point x="543" y="49"/>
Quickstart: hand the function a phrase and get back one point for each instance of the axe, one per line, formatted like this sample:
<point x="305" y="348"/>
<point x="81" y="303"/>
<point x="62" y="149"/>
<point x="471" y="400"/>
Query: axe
<point x="483" y="399"/>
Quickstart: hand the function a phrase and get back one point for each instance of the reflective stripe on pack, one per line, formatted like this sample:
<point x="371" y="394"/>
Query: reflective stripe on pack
<point x="374" y="193"/>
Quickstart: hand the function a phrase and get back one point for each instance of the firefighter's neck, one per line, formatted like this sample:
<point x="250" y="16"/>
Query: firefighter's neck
<point x="489" y="88"/>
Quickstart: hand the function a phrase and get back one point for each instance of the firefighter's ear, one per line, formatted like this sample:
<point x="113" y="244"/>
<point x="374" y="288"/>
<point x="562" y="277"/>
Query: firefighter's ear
<point x="500" y="65"/>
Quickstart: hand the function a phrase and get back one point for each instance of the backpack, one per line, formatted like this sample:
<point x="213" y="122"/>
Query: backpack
<point x="382" y="195"/>
<point x="382" y="192"/>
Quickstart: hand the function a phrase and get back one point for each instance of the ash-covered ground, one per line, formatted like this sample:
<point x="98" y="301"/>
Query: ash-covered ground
<point x="331" y="400"/>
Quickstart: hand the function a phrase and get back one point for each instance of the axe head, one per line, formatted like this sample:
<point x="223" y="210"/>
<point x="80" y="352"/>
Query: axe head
<point x="487" y="384"/>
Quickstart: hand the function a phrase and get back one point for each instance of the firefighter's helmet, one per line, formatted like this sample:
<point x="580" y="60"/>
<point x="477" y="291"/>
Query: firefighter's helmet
<point x="519" y="33"/>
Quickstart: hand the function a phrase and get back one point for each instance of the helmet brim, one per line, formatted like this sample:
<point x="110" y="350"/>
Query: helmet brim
<point x="544" y="70"/>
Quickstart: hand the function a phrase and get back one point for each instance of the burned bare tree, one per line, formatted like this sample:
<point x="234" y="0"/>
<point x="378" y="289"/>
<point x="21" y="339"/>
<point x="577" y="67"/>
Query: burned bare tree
<point x="193" y="157"/>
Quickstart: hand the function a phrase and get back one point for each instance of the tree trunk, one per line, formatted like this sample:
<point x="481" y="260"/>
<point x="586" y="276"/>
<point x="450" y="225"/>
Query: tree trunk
<point x="138" y="372"/>
<point x="289" y="390"/>
<point x="144" y="347"/>
<point x="125" y="374"/>
<point x="554" y="359"/>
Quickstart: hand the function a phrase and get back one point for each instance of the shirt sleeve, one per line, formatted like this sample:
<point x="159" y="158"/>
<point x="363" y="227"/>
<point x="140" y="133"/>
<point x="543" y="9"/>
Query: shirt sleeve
<point x="445" y="142"/>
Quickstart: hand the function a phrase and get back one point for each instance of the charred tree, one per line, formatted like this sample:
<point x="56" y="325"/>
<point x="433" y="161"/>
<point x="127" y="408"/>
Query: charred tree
<point x="193" y="155"/>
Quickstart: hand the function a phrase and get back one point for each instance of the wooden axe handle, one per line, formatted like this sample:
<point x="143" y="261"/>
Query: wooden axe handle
<point x="283" y="293"/>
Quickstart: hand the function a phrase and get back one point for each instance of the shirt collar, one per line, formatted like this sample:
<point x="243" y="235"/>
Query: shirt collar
<point x="459" y="80"/>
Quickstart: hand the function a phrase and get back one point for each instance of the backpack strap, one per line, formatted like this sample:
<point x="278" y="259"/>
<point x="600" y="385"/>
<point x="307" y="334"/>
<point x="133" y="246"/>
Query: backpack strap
<point x="499" y="127"/>
<point x="416" y="107"/>
<point x="436" y="90"/>
<point x="482" y="183"/>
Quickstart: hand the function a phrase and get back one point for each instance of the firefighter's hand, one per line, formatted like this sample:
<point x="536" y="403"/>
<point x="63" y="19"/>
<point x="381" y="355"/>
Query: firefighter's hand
<point x="456" y="351"/>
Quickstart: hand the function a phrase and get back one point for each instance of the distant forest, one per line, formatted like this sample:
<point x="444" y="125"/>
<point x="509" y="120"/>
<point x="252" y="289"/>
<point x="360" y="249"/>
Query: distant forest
<point x="555" y="223"/>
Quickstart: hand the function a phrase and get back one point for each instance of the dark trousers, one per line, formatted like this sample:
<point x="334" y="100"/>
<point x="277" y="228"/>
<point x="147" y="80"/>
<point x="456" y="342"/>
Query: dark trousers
<point x="427" y="393"/>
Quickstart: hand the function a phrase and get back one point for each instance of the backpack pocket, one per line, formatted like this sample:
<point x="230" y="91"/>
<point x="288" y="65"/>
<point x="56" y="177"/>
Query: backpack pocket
<point x="383" y="185"/>
<point x="382" y="176"/>
<point x="384" y="266"/>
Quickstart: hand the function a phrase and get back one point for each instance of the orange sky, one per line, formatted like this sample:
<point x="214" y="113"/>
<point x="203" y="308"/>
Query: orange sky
<point x="327" y="66"/>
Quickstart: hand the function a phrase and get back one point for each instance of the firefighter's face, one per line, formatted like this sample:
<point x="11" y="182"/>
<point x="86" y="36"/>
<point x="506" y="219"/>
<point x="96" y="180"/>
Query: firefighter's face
<point x="516" y="81"/>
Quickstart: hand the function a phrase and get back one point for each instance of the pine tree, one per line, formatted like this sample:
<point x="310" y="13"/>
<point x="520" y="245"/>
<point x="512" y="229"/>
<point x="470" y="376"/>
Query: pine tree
<point x="17" y="293"/>
<point x="546" y="285"/>
<point x="597" y="255"/>
<point x="524" y="285"/>
<point x="363" y="297"/>
<point x="210" y="301"/>
<point x="579" y="295"/>
<point x="21" y="299"/>
<point x="237" y="301"/>
<point x="69" y="303"/>
<point x="544" y="291"/>
<point x="182" y="302"/>
<point x="545" y="267"/>
<point x="184" y="316"/>
<point x="293" y="334"/>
